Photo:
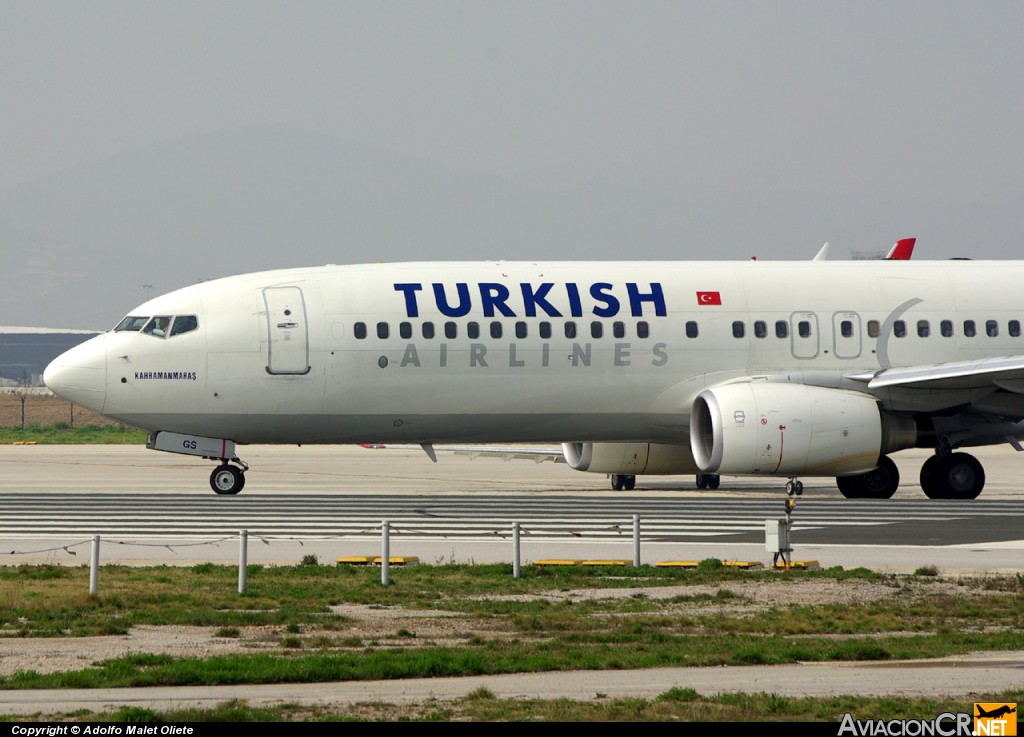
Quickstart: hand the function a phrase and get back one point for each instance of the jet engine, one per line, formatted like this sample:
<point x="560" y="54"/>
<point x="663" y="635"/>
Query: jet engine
<point x="632" y="459"/>
<point x="777" y="429"/>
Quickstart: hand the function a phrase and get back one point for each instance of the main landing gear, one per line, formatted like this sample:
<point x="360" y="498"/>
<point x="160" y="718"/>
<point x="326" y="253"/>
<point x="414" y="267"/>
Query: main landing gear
<point x="708" y="481"/>
<point x="228" y="479"/>
<point x="878" y="483"/>
<point x="946" y="475"/>
<point x="952" y="476"/>
<point x="622" y="481"/>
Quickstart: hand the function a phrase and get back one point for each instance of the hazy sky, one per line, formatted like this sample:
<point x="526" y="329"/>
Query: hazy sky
<point x="146" y="145"/>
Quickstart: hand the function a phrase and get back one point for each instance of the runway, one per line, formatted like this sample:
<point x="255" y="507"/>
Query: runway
<point x="156" y="508"/>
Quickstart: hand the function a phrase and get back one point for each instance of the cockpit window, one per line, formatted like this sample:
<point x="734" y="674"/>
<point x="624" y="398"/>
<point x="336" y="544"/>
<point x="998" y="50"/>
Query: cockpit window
<point x="132" y="323"/>
<point x="162" y="326"/>
<point x="158" y="326"/>
<point x="184" y="324"/>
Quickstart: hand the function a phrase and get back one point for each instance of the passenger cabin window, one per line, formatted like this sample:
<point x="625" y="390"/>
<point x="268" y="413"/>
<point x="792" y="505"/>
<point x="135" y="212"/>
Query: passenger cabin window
<point x="405" y="330"/>
<point x="969" y="329"/>
<point x="618" y="329"/>
<point x="643" y="329"/>
<point x="899" y="329"/>
<point x="804" y="328"/>
<point x="874" y="328"/>
<point x="992" y="328"/>
<point x="359" y="330"/>
<point x="738" y="329"/>
<point x="495" y="329"/>
<point x="1013" y="328"/>
<point x="846" y="328"/>
<point x="691" y="329"/>
<point x="383" y="331"/>
<point x="451" y="330"/>
<point x="131" y="323"/>
<point x="473" y="330"/>
<point x="520" y="329"/>
<point x="428" y="330"/>
<point x="760" y="329"/>
<point x="570" y="330"/>
<point x="946" y="328"/>
<point x="545" y="330"/>
<point x="781" y="329"/>
<point x="923" y="329"/>
<point x="596" y="330"/>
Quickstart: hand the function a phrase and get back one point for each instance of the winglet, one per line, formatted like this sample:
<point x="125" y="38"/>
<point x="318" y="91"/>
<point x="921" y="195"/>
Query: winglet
<point x="822" y="253"/>
<point x="901" y="250"/>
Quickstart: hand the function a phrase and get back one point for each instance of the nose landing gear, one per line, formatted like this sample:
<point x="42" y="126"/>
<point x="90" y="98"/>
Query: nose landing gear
<point x="228" y="479"/>
<point x="225" y="479"/>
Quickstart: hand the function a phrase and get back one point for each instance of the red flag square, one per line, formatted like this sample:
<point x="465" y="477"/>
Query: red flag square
<point x="709" y="298"/>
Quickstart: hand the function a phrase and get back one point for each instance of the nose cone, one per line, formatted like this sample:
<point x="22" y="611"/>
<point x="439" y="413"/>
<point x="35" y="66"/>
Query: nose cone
<point x="80" y="374"/>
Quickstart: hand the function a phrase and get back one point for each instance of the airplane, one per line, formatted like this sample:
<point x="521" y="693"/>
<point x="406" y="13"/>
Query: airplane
<point x="901" y="250"/>
<point x="995" y="713"/>
<point x="780" y="369"/>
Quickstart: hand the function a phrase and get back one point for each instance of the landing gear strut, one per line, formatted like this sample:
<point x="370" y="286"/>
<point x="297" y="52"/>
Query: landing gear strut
<point x="228" y="479"/>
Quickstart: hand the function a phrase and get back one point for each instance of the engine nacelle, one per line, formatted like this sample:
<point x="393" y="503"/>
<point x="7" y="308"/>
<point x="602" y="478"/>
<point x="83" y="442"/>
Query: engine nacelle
<point x="634" y="459"/>
<point x="776" y="429"/>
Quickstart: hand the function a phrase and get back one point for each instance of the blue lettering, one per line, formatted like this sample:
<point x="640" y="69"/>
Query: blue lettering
<point x="534" y="299"/>
<point x="409" y="290"/>
<point x="575" y="308"/>
<point x="636" y="298"/>
<point x="598" y="292"/>
<point x="442" y="301"/>
<point x="494" y="296"/>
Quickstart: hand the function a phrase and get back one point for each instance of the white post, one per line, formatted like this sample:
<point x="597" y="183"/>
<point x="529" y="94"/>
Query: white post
<point x="385" y="553"/>
<point x="94" y="567"/>
<point x="515" y="550"/>
<point x="243" y="560"/>
<point x="636" y="540"/>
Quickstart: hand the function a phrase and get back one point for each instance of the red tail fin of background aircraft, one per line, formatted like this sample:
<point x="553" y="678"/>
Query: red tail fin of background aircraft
<point x="901" y="250"/>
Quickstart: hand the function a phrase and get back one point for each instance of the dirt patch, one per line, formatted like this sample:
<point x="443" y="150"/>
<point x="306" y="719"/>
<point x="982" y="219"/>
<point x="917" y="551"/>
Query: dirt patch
<point x="25" y="407"/>
<point x="358" y="626"/>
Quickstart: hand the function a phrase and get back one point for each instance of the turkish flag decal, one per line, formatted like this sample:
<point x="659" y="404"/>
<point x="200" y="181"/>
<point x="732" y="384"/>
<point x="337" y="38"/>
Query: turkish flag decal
<point x="709" y="298"/>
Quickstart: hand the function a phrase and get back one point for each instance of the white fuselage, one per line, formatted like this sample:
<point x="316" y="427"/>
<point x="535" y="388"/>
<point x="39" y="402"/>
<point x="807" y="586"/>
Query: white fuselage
<point x="281" y="357"/>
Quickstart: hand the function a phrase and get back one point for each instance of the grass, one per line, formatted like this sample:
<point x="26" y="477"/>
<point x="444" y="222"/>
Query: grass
<point x="675" y="705"/>
<point x="63" y="434"/>
<point x="305" y="641"/>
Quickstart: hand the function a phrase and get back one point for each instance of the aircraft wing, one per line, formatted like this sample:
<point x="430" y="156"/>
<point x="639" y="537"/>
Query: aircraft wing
<point x="537" y="454"/>
<point x="1005" y="372"/>
<point x="507" y="453"/>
